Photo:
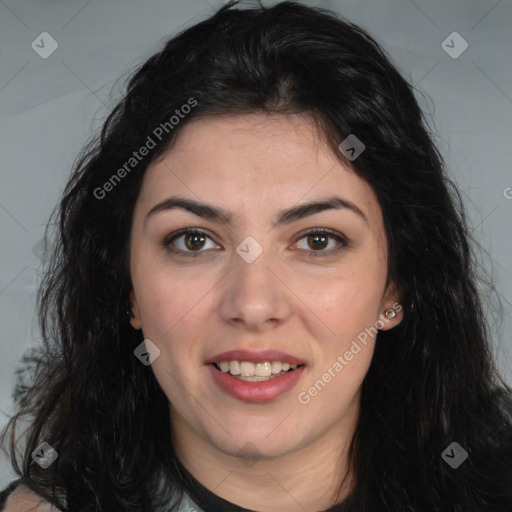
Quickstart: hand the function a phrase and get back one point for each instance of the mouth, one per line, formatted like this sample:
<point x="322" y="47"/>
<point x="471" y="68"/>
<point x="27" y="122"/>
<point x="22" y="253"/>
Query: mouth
<point x="257" y="383"/>
<point x="255" y="372"/>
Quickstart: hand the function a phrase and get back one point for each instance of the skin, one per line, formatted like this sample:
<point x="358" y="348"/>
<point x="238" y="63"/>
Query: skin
<point x="312" y="308"/>
<point x="22" y="499"/>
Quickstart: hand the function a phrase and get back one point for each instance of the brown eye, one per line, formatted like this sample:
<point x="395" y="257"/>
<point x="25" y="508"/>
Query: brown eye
<point x="188" y="242"/>
<point x="319" y="240"/>
<point x="194" y="240"/>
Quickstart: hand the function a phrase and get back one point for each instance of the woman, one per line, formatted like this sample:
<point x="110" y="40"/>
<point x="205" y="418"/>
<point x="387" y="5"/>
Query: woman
<point x="264" y="295"/>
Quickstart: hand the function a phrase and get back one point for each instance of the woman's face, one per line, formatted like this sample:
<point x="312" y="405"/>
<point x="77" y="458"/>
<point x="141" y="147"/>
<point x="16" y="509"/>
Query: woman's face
<point x="265" y="281"/>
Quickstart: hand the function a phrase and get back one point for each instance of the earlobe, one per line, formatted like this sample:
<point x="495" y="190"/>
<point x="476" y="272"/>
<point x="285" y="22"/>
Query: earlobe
<point x="392" y="313"/>
<point x="390" y="317"/>
<point x="134" y="310"/>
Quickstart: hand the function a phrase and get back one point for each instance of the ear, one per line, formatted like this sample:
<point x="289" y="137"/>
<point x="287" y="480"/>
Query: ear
<point x="135" y="315"/>
<point x="391" y="302"/>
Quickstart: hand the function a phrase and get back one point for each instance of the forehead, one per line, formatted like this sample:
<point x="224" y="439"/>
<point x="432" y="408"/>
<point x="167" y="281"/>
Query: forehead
<point x="246" y="162"/>
<point x="273" y="145"/>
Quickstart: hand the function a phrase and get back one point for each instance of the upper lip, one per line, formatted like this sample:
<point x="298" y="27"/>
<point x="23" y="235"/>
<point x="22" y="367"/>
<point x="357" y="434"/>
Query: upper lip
<point x="256" y="357"/>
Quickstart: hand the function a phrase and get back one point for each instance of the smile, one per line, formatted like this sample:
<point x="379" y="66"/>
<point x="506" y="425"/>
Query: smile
<point x="255" y="372"/>
<point x="254" y="388"/>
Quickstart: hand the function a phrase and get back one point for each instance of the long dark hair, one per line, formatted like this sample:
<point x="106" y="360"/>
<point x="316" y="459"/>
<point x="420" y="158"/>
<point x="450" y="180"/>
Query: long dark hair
<point x="431" y="381"/>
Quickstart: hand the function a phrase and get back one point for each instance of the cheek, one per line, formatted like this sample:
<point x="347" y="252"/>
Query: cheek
<point x="348" y="299"/>
<point x="166" y="299"/>
<point x="172" y="314"/>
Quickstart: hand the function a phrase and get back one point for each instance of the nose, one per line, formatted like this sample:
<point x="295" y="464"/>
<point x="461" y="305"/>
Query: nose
<point x="255" y="295"/>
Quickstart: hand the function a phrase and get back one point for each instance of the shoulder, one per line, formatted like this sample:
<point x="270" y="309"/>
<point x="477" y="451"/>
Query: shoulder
<point x="22" y="499"/>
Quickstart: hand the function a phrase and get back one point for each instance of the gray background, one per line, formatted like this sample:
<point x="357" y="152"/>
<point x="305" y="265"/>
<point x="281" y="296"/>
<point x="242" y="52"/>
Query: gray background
<point x="49" y="108"/>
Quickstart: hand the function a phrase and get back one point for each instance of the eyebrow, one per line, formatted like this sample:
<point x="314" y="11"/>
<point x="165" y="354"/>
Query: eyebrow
<point x="284" y="217"/>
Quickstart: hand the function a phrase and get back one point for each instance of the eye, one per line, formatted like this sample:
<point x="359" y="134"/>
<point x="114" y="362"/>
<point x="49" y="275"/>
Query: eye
<point x="319" y="239"/>
<point x="192" y="240"/>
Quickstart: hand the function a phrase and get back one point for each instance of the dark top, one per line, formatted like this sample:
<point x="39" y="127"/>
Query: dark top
<point x="201" y="495"/>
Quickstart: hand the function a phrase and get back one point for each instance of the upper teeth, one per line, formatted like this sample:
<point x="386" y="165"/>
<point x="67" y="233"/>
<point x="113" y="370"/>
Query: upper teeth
<point x="247" y="369"/>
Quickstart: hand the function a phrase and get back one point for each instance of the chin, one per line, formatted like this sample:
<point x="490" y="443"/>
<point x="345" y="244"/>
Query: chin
<point x="243" y="445"/>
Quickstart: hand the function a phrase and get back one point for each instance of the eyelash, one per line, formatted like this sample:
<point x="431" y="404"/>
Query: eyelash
<point x="169" y="239"/>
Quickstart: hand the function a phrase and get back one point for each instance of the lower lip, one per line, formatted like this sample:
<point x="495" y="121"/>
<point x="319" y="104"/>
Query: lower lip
<point x="256" y="392"/>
